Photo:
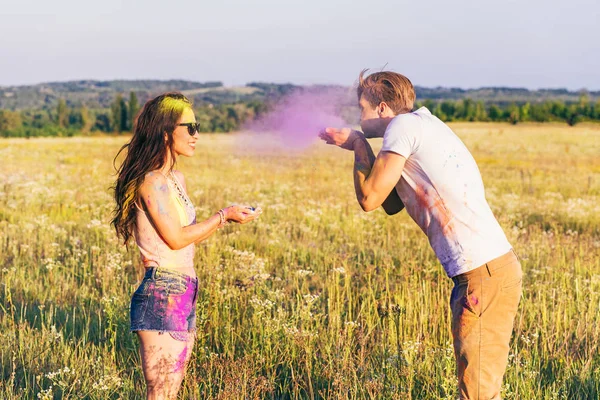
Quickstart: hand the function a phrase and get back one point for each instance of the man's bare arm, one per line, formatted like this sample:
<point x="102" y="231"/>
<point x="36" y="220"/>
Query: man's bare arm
<point x="373" y="135"/>
<point x="393" y="204"/>
<point x="368" y="194"/>
<point x="375" y="178"/>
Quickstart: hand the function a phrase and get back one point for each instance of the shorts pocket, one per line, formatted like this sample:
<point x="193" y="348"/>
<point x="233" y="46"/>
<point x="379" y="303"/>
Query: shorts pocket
<point x="145" y="288"/>
<point x="171" y="285"/>
<point x="139" y="304"/>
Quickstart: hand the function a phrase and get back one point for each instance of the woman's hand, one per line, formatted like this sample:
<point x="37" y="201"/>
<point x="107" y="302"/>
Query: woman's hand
<point x="344" y="137"/>
<point x="242" y="214"/>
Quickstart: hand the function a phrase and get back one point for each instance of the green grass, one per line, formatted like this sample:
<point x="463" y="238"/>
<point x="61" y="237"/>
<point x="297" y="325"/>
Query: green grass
<point x="314" y="300"/>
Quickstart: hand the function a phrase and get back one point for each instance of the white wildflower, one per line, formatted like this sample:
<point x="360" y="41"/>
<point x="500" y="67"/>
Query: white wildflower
<point x="340" y="270"/>
<point x="94" y="223"/>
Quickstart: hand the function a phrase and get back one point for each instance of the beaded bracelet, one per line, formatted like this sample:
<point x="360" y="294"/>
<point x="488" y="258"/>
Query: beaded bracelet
<point x="222" y="218"/>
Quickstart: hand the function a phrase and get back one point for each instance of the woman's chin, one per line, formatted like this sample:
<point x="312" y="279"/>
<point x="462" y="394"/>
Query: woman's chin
<point x="187" y="153"/>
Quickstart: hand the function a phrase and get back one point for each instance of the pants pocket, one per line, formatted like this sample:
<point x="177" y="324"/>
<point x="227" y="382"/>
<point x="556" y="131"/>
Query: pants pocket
<point x="466" y="296"/>
<point x="512" y="283"/>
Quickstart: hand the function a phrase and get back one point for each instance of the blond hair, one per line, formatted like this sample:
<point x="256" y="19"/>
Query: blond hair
<point x="394" y="89"/>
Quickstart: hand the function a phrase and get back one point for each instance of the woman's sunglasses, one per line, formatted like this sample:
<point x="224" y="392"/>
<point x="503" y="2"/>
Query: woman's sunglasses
<point x="193" y="127"/>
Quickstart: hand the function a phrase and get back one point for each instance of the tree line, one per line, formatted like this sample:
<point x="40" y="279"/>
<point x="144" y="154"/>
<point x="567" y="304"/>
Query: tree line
<point x="68" y="121"/>
<point x="119" y="118"/>
<point x="546" y="111"/>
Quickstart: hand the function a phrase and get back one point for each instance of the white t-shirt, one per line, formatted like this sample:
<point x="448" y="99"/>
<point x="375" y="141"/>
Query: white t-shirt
<point x="443" y="193"/>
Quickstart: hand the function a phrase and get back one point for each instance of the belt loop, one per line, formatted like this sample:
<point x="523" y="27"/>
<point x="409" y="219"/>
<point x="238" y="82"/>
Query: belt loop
<point x="154" y="270"/>
<point x="487" y="267"/>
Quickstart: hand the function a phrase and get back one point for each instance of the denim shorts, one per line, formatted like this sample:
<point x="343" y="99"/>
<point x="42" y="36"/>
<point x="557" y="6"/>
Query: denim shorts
<point x="165" y="301"/>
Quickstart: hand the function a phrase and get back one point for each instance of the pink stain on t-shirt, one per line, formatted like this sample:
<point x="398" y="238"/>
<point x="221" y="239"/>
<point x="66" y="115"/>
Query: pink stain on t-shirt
<point x="431" y="204"/>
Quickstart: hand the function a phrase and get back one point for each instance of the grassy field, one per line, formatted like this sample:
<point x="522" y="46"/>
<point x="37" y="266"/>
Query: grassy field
<point x="316" y="299"/>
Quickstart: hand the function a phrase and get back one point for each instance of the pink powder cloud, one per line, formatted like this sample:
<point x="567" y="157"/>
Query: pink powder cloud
<point x="297" y="118"/>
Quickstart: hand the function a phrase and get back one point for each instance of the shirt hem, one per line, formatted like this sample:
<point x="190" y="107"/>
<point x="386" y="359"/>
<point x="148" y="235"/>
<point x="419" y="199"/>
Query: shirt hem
<point x="473" y="266"/>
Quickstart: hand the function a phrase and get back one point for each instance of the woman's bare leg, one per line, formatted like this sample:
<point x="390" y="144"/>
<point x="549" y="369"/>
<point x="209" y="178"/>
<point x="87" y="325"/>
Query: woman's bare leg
<point x="164" y="360"/>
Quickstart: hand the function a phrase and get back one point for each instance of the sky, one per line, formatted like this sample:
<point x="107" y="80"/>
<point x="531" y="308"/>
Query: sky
<point x="459" y="43"/>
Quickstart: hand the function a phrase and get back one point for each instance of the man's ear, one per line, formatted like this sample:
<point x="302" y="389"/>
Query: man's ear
<point x="381" y="108"/>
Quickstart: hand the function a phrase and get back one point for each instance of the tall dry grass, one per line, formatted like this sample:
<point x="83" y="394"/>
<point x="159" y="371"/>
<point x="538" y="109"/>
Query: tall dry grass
<point x="316" y="299"/>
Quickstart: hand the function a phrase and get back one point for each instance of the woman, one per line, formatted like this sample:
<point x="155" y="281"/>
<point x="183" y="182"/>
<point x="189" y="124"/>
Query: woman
<point x="153" y="206"/>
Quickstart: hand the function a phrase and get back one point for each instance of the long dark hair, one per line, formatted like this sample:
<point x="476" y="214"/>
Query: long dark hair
<point x="146" y="151"/>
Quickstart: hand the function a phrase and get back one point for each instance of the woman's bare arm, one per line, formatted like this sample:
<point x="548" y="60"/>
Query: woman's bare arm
<point x="157" y="201"/>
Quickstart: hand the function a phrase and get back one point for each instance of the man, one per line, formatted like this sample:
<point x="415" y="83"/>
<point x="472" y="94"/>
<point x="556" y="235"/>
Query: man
<point x="437" y="180"/>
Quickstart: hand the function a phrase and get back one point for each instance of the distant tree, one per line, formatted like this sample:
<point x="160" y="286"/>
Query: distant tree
<point x="524" y="112"/>
<point x="10" y="120"/>
<point x="596" y="111"/>
<point x="103" y="122"/>
<point x="62" y="114"/>
<point x="429" y="104"/>
<point x="119" y="114"/>
<point x="449" y="109"/>
<point x="585" y="109"/>
<point x="260" y="108"/>
<point x="115" y="113"/>
<point x="232" y="115"/>
<point x="204" y="120"/>
<point x="539" y="112"/>
<point x="468" y="110"/>
<point x="75" y="119"/>
<point x="480" y="112"/>
<point x="437" y="111"/>
<point x="134" y="107"/>
<point x="223" y="118"/>
<point x="124" y="116"/>
<point x="572" y="115"/>
<point x="513" y="114"/>
<point x="86" y="119"/>
<point x="559" y="110"/>
<point x="40" y="119"/>
<point x="494" y="112"/>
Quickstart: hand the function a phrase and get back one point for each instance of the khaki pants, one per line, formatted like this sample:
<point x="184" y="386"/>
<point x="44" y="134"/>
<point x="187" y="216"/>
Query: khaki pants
<point x="484" y="303"/>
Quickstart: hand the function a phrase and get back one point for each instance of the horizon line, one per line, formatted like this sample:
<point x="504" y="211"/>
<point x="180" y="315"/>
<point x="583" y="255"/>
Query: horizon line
<point x="3" y="86"/>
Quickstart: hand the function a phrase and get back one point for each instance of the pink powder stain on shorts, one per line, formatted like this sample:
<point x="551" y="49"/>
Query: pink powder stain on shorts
<point x="179" y="308"/>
